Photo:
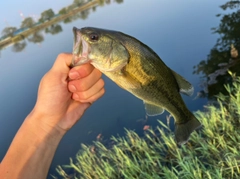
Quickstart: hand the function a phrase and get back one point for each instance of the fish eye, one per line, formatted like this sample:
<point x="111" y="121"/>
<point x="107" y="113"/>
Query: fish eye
<point x="94" y="37"/>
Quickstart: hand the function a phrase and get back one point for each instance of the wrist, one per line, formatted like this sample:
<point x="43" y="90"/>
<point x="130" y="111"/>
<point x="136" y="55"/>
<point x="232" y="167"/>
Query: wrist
<point x="31" y="150"/>
<point x="43" y="129"/>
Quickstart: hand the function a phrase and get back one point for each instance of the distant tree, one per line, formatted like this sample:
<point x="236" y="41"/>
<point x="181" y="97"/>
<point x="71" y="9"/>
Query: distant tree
<point x="8" y="31"/>
<point x="63" y="11"/>
<point x="46" y="15"/>
<point x="78" y="2"/>
<point x="27" y="22"/>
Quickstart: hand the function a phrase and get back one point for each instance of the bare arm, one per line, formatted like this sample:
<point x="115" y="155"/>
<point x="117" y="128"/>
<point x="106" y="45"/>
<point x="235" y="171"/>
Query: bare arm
<point x="59" y="106"/>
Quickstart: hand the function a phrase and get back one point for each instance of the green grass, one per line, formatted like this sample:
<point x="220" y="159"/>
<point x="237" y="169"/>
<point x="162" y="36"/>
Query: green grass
<point x="213" y="152"/>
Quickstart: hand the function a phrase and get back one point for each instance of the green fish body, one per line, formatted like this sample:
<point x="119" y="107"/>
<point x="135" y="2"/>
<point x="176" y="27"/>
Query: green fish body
<point x="138" y="69"/>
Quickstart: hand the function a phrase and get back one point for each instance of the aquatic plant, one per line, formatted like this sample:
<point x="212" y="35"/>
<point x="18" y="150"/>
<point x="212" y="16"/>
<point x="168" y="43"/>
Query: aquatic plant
<point x="213" y="152"/>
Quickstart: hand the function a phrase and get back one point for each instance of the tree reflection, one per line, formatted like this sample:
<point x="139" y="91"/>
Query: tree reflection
<point x="67" y="20"/>
<point x="82" y="15"/>
<point x="107" y="1"/>
<point x="53" y="29"/>
<point x="101" y="2"/>
<point x="36" y="37"/>
<point x="79" y="9"/>
<point x="224" y="55"/>
<point x="119" y="1"/>
<point x="19" y="46"/>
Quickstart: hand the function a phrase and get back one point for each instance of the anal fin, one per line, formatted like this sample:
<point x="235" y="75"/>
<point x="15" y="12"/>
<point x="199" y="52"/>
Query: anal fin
<point x="153" y="110"/>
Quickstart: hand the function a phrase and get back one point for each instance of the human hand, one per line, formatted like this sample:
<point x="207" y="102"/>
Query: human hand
<point x="59" y="106"/>
<point x="64" y="94"/>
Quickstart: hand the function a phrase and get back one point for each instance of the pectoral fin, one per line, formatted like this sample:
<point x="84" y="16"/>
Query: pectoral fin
<point x="125" y="76"/>
<point x="153" y="110"/>
<point x="185" y="87"/>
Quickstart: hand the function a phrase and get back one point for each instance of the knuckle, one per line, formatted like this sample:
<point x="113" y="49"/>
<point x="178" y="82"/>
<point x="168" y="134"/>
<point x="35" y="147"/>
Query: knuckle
<point x="101" y="82"/>
<point x="83" y="95"/>
<point x="61" y="55"/>
<point x="81" y="86"/>
<point x="99" y="73"/>
<point x="97" y="96"/>
<point x="102" y="92"/>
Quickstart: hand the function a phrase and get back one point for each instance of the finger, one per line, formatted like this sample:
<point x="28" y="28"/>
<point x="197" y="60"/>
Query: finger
<point x="62" y="62"/>
<point x="85" y="83"/>
<point x="80" y="71"/>
<point x="95" y="97"/>
<point x="85" y="95"/>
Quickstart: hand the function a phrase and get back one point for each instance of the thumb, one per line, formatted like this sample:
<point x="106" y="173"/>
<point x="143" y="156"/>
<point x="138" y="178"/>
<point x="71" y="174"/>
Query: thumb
<point x="62" y="63"/>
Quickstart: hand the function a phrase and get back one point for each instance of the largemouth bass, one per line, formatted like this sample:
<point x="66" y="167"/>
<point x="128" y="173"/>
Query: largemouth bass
<point x="138" y="69"/>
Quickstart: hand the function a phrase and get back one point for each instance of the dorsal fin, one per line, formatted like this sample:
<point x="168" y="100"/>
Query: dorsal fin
<point x="184" y="86"/>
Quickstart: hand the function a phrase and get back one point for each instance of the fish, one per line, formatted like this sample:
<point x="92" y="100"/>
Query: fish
<point x="135" y="67"/>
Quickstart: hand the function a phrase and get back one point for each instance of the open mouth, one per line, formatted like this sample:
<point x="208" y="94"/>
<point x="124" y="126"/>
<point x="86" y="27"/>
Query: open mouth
<point x="80" y="49"/>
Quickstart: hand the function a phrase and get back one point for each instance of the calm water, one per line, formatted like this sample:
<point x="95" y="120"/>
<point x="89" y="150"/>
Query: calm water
<point x="179" y="31"/>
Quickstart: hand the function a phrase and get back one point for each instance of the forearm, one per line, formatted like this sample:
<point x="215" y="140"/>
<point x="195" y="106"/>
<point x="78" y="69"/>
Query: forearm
<point x="31" y="151"/>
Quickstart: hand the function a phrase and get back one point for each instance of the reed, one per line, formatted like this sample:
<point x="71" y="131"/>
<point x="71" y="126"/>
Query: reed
<point x="212" y="152"/>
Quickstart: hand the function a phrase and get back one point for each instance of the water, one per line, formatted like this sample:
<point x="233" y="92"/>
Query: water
<point x="179" y="31"/>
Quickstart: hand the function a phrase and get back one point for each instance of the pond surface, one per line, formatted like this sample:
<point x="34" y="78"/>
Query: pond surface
<point x="178" y="31"/>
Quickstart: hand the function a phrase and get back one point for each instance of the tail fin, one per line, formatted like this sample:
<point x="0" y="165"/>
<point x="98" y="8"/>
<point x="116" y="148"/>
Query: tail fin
<point x="183" y="131"/>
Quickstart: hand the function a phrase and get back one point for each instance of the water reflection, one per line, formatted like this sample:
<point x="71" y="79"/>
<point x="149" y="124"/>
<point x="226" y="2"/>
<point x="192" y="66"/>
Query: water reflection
<point x="36" y="37"/>
<point x="104" y="117"/>
<point x="19" y="46"/>
<point x="224" y="55"/>
<point x="49" y="22"/>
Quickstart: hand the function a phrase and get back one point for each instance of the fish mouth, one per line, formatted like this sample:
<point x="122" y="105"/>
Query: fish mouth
<point x="81" y="49"/>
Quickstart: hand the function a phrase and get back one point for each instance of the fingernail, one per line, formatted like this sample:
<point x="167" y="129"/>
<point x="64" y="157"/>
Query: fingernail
<point x="74" y="75"/>
<point x="72" y="88"/>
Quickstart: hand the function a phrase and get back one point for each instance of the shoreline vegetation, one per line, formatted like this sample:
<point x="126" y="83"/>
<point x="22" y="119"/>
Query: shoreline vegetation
<point x="213" y="152"/>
